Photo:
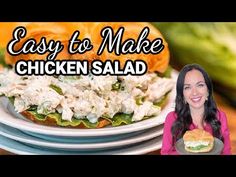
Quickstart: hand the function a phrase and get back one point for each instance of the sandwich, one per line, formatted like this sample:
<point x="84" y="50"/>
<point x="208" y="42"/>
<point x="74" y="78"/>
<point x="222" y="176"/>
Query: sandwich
<point x="88" y="101"/>
<point x="198" y="140"/>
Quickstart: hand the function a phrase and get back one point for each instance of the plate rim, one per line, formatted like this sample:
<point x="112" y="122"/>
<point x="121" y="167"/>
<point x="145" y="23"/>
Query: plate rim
<point x="141" y="148"/>
<point x="25" y="138"/>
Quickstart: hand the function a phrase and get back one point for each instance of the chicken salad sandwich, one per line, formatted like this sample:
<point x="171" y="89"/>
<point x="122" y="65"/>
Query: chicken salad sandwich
<point x="198" y="140"/>
<point x="89" y="101"/>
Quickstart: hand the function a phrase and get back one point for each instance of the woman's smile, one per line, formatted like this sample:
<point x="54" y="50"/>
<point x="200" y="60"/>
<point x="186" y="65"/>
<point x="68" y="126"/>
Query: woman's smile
<point x="196" y="99"/>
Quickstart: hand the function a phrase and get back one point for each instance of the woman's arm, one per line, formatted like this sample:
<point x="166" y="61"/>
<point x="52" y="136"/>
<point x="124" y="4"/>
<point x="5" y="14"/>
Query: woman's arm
<point x="167" y="148"/>
<point x="225" y="134"/>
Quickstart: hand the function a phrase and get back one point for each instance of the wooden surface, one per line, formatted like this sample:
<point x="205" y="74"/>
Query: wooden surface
<point x="223" y="105"/>
<point x="231" y="115"/>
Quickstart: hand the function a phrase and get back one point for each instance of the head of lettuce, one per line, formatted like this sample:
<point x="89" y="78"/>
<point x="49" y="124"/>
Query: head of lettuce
<point x="212" y="45"/>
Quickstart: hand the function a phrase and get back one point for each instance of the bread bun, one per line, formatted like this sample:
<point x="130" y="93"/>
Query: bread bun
<point x="49" y="121"/>
<point x="198" y="135"/>
<point x="198" y="140"/>
<point x="64" y="30"/>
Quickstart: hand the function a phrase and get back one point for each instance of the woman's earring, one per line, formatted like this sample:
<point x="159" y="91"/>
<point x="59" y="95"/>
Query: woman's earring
<point x="207" y="97"/>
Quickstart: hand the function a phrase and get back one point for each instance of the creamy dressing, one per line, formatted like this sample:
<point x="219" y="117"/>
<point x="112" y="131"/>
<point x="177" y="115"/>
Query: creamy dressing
<point x="196" y="143"/>
<point x="86" y="97"/>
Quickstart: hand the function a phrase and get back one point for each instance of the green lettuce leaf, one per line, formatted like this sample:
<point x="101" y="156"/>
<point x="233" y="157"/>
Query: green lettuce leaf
<point x="117" y="120"/>
<point x="121" y="118"/>
<point x="64" y="123"/>
<point x="197" y="147"/>
<point x="2" y="59"/>
<point x="56" y="88"/>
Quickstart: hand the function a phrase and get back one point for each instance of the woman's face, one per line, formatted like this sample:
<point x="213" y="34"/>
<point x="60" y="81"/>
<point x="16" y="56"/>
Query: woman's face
<point x="195" y="89"/>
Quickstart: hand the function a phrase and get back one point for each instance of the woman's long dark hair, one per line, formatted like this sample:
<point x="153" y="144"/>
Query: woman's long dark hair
<point x="184" y="119"/>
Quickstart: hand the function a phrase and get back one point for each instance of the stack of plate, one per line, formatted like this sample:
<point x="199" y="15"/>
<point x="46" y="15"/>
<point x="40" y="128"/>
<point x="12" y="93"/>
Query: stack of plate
<point x="21" y="136"/>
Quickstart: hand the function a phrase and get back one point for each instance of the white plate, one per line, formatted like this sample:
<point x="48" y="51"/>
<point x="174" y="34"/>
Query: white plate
<point x="137" y="149"/>
<point x="83" y="139"/>
<point x="10" y="120"/>
<point x="18" y="135"/>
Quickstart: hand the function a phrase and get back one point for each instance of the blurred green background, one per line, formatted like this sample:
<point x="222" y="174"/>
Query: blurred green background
<point x="210" y="44"/>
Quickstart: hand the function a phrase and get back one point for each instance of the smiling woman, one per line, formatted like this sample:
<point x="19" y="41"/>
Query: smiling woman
<point x="195" y="108"/>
